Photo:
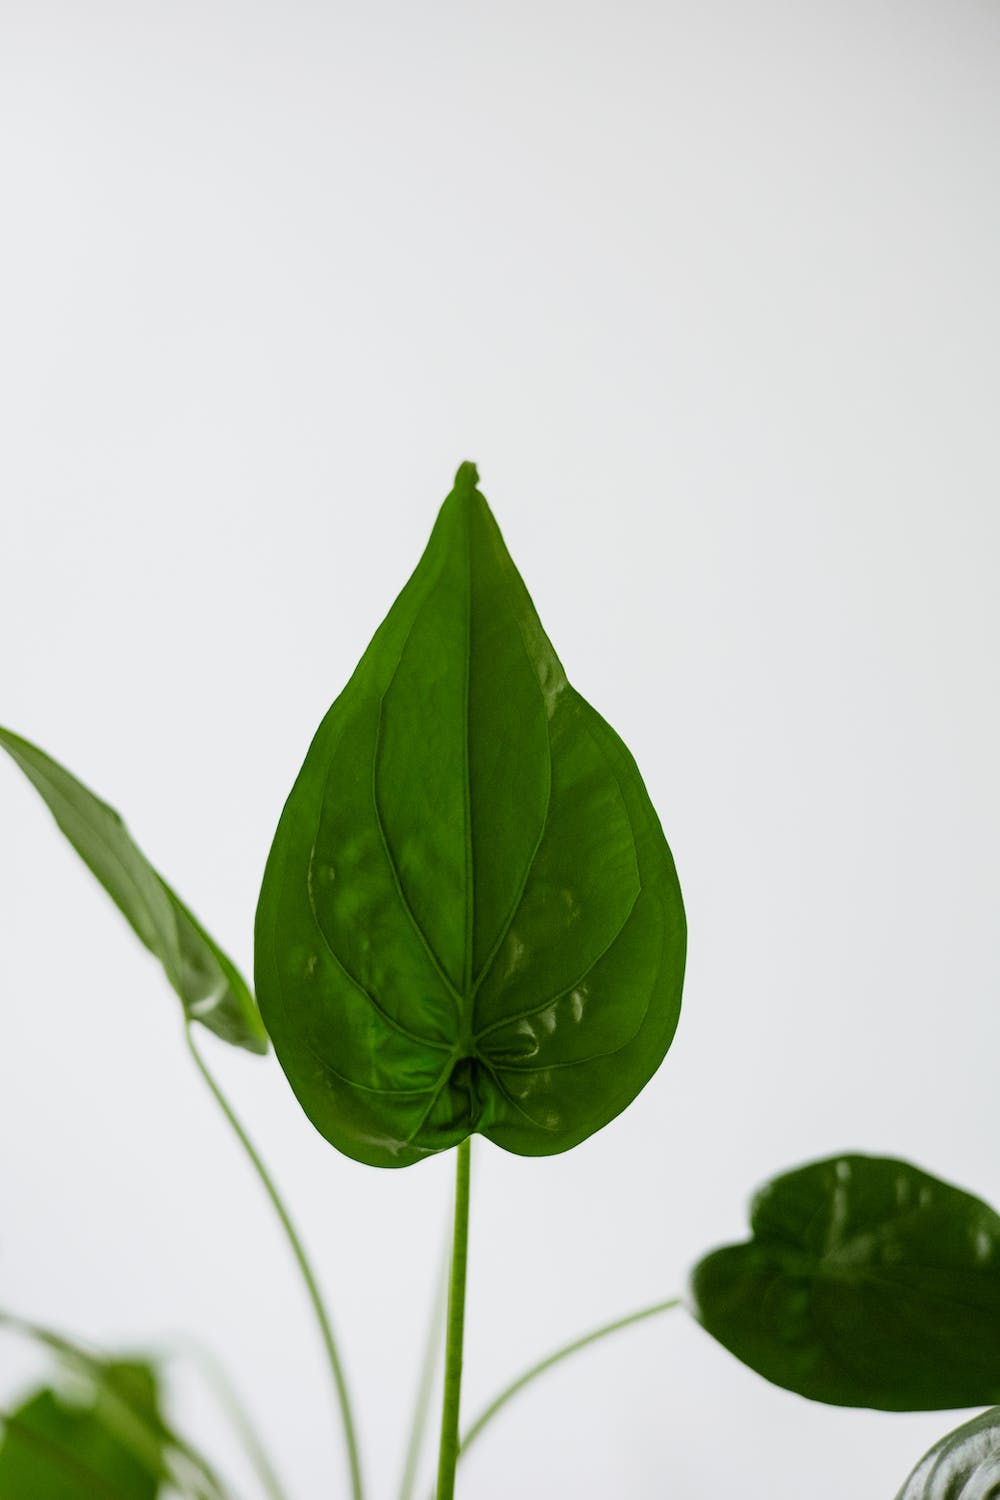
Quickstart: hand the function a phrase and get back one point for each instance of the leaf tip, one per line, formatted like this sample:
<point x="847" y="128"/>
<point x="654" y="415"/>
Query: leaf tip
<point x="466" y="476"/>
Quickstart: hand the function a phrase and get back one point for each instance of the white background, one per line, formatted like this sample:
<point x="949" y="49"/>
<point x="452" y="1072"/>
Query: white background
<point x="709" y="292"/>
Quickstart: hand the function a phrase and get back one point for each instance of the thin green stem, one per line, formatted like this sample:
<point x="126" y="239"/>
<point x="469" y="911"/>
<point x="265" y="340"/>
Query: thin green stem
<point x="231" y="1401"/>
<point x="556" y="1358"/>
<point x="311" y="1285"/>
<point x="425" y="1383"/>
<point x="448" y="1450"/>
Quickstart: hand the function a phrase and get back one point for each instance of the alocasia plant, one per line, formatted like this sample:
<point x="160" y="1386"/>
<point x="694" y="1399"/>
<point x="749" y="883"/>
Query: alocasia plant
<point x="866" y="1283"/>
<point x="210" y="988"/>
<point x="965" y="1465"/>
<point x="56" y="1448"/>
<point x="470" y="919"/>
<point x="470" y="922"/>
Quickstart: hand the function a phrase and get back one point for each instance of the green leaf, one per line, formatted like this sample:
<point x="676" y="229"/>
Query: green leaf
<point x="123" y="1395"/>
<point x="965" y="1465"/>
<point x="469" y="920"/>
<point x="54" y="1449"/>
<point x="867" y="1283"/>
<point x="208" y="983"/>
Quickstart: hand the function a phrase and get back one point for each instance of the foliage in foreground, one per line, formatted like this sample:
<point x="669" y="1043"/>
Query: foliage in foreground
<point x="470" y="923"/>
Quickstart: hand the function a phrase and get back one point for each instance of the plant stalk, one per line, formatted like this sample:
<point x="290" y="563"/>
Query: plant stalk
<point x="555" y="1358"/>
<point x="448" y="1450"/>
<point x="218" y="1379"/>
<point x="311" y="1285"/>
<point x="428" y="1371"/>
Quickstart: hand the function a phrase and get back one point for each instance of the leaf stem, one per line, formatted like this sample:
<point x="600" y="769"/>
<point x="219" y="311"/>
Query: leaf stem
<point x="555" y="1358"/>
<point x="218" y="1379"/>
<point x="425" y="1383"/>
<point x="448" y="1450"/>
<point x="311" y="1285"/>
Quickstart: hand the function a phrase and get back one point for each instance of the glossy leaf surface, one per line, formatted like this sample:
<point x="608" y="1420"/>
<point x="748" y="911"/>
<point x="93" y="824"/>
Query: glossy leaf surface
<point x="470" y="919"/>
<point x="965" y="1465"/>
<point x="51" y="1449"/>
<point x="208" y="983"/>
<point x="867" y="1283"/>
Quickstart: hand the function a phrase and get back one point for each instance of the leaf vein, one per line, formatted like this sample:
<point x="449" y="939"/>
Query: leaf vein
<point x="366" y="1088"/>
<point x="389" y="1020"/>
<point x="534" y="1010"/>
<point x="396" y="878"/>
<point x="438" y="1091"/>
<point x="519" y="894"/>
<point x="470" y="872"/>
<point x="518" y="1105"/>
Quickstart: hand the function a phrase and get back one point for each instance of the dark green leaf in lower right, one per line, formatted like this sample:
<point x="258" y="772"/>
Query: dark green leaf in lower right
<point x="965" y="1465"/>
<point x="867" y="1283"/>
<point x="54" y="1449"/>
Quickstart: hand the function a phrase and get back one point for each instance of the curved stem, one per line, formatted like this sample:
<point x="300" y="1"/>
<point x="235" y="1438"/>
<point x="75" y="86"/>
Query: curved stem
<point x="229" y="1398"/>
<point x="556" y="1358"/>
<point x="448" y="1450"/>
<point x="425" y="1383"/>
<point x="312" y="1288"/>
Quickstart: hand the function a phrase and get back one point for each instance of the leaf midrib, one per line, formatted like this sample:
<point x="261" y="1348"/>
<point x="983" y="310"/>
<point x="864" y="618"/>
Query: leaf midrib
<point x="465" y="997"/>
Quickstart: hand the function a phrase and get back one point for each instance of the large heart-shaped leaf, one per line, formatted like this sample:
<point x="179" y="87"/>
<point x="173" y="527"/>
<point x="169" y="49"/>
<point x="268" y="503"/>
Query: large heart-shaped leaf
<point x="54" y="1449"/>
<point x="208" y="983"/>
<point x="469" y="920"/>
<point x="965" y="1465"/>
<point x="867" y="1283"/>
